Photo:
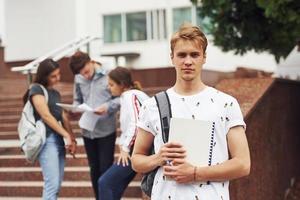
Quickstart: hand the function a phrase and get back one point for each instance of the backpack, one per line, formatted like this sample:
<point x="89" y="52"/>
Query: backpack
<point x="32" y="133"/>
<point x="164" y="108"/>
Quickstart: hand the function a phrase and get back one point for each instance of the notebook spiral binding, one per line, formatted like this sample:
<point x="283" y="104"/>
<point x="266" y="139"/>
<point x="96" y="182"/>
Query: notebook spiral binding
<point x="211" y="144"/>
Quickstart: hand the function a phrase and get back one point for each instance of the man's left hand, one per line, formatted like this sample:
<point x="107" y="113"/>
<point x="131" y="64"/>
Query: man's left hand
<point x="101" y="110"/>
<point x="180" y="170"/>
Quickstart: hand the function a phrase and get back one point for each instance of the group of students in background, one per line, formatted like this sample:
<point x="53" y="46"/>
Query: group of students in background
<point x="106" y="92"/>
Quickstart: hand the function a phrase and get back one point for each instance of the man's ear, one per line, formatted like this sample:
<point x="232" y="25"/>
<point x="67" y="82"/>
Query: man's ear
<point x="204" y="58"/>
<point x="172" y="56"/>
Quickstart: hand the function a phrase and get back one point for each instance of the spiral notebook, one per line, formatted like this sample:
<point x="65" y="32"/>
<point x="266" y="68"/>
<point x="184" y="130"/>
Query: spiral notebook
<point x="196" y="136"/>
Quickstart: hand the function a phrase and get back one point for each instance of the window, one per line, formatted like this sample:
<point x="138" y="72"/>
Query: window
<point x="204" y="23"/>
<point x="158" y="24"/>
<point x="180" y="16"/>
<point x="190" y="15"/>
<point x="112" y="28"/>
<point x="136" y="26"/>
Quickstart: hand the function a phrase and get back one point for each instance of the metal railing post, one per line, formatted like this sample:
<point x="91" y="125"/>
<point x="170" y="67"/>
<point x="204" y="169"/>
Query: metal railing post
<point x="29" y="77"/>
<point x="88" y="48"/>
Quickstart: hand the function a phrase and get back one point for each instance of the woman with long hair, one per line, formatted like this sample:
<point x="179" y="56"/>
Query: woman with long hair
<point x="52" y="155"/>
<point x="114" y="181"/>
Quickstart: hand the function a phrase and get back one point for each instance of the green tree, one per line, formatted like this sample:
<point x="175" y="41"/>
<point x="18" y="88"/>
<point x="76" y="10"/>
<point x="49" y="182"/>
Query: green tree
<point x="260" y="25"/>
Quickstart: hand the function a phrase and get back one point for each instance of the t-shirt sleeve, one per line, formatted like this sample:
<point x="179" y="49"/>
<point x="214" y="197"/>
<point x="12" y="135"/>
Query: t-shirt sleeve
<point x="35" y="89"/>
<point x="234" y="115"/>
<point x="144" y="120"/>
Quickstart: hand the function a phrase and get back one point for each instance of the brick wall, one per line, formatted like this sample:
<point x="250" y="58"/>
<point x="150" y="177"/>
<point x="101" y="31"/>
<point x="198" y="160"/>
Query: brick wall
<point x="274" y="140"/>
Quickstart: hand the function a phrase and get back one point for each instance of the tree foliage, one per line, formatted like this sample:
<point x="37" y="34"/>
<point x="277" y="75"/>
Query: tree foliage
<point x="260" y="25"/>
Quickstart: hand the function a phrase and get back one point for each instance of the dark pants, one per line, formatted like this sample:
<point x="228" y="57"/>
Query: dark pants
<point x="100" y="154"/>
<point x="114" y="181"/>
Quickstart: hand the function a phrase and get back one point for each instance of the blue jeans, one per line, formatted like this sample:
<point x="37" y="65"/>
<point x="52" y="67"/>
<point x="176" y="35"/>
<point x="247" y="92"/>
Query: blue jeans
<point x="114" y="181"/>
<point x="52" y="161"/>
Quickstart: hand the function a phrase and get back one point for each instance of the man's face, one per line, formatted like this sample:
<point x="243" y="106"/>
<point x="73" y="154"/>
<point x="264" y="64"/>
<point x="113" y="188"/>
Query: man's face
<point x="88" y="71"/>
<point x="188" y="59"/>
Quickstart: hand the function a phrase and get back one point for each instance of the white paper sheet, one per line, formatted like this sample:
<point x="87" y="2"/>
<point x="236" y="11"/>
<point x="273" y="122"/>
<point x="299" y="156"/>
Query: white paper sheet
<point x="79" y="108"/>
<point x="88" y="121"/>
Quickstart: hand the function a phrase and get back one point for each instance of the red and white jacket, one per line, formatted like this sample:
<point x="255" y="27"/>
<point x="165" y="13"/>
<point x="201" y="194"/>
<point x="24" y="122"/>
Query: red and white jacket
<point x="130" y="102"/>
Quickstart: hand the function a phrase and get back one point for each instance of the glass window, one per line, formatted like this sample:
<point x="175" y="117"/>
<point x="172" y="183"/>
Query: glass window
<point x="112" y="28"/>
<point x="154" y="25"/>
<point x="158" y="24"/>
<point x="204" y="23"/>
<point x="181" y="15"/>
<point x="136" y="26"/>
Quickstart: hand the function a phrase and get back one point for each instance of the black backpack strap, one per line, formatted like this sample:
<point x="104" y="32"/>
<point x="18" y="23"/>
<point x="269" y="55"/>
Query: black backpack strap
<point x="165" y="113"/>
<point x="164" y="108"/>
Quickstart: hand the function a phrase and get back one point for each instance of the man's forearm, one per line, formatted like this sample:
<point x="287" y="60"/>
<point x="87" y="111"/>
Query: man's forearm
<point x="231" y="169"/>
<point x="113" y="105"/>
<point x="143" y="164"/>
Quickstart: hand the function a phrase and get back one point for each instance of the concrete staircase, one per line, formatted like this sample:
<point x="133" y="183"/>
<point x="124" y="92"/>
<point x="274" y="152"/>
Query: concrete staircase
<point x="20" y="180"/>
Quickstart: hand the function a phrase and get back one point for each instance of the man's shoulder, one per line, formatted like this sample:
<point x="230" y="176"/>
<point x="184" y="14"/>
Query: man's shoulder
<point x="79" y="79"/>
<point x="221" y="95"/>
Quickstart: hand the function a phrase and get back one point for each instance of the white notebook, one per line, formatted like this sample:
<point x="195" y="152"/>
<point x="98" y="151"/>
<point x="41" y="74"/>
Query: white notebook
<point x="196" y="136"/>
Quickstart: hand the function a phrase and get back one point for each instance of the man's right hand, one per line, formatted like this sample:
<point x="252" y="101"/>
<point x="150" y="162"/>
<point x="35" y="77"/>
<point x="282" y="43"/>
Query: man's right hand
<point x="170" y="151"/>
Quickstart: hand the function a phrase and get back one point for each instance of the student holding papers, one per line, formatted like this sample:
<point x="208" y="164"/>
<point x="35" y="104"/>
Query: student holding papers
<point x="99" y="127"/>
<point x="178" y="177"/>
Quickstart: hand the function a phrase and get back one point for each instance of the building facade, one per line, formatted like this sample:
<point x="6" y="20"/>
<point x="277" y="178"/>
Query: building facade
<point x="136" y="33"/>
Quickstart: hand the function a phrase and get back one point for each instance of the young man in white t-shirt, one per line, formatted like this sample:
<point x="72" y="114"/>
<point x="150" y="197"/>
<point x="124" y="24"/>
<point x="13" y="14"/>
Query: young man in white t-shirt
<point x="190" y="98"/>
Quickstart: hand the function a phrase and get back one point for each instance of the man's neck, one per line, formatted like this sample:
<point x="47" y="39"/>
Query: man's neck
<point x="189" y="87"/>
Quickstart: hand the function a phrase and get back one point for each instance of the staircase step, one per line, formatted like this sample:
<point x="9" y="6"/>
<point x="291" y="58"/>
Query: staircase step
<point x="11" y="97"/>
<point x="11" y="103"/>
<point x="9" y="119"/>
<point x="13" y="126"/>
<point x="62" y="198"/>
<point x="10" y="135"/>
<point x="35" y="174"/>
<point x="17" y="150"/>
<point x="13" y="109"/>
<point x="12" y="147"/>
<point x="68" y="189"/>
<point x="19" y="161"/>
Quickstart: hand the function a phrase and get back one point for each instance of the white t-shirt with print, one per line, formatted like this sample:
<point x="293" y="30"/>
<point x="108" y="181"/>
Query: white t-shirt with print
<point x="209" y="105"/>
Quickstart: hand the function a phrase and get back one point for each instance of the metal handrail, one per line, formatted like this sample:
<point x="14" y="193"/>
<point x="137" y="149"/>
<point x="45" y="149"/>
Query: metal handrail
<point x="75" y="46"/>
<point x="55" y="54"/>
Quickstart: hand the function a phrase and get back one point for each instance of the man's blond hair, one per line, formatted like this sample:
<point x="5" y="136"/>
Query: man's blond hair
<point x="189" y="32"/>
